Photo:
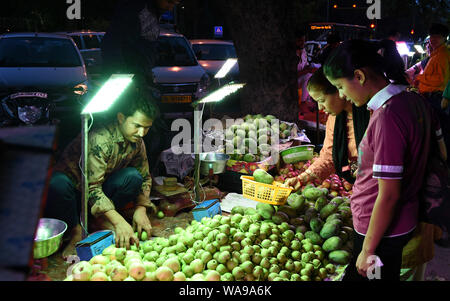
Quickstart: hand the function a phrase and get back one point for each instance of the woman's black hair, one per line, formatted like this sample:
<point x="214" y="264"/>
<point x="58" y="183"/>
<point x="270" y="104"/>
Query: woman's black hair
<point x="358" y="54"/>
<point x="320" y="82"/>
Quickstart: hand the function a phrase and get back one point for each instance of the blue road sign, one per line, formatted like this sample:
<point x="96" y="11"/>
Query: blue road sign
<point x="218" y="31"/>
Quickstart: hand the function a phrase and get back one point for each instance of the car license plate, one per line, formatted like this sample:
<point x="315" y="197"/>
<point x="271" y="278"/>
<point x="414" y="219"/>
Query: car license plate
<point x="176" y="98"/>
<point x="28" y="94"/>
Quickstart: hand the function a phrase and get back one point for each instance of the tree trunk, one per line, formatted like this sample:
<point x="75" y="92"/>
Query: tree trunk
<point x="263" y="33"/>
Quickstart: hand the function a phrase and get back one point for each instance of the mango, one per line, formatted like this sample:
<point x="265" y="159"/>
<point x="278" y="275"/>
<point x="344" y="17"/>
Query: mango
<point x="316" y="224"/>
<point x="320" y="203"/>
<point x="339" y="257"/>
<point x="314" y="237"/>
<point x="262" y="176"/>
<point x="329" y="209"/>
<point x="332" y="244"/>
<point x="329" y="229"/>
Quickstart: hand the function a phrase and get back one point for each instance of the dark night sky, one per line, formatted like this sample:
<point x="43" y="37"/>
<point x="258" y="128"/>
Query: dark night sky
<point x="199" y="16"/>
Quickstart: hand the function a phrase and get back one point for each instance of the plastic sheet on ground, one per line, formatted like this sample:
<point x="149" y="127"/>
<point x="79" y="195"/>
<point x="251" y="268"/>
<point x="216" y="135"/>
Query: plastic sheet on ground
<point x="235" y="199"/>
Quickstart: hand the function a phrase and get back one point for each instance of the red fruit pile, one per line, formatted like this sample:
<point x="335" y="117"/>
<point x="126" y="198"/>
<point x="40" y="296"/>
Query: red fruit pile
<point x="289" y="175"/>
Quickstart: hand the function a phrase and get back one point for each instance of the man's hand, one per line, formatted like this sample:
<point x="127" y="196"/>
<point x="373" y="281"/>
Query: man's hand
<point x="125" y="234"/>
<point x="141" y="221"/>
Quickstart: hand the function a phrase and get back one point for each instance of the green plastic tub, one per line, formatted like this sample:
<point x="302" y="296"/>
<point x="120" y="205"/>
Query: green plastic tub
<point x="297" y="153"/>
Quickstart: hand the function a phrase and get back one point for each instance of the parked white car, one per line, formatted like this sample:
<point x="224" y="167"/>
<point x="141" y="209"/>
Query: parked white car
<point x="178" y="75"/>
<point x="88" y="42"/>
<point x="212" y="54"/>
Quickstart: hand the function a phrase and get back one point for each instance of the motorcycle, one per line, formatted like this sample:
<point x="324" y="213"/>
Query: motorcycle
<point x="29" y="108"/>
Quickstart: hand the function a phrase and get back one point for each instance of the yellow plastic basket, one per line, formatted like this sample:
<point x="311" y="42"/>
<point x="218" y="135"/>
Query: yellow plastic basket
<point x="266" y="193"/>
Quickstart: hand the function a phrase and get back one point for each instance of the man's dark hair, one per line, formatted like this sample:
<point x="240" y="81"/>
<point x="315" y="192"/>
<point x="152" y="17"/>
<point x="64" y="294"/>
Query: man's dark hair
<point x="133" y="100"/>
<point x="439" y="29"/>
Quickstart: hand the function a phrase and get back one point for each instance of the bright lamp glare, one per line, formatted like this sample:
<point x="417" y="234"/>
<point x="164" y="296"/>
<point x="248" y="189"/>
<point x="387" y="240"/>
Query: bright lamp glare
<point x="108" y="93"/>
<point x="226" y="68"/>
<point x="419" y="49"/>
<point x="402" y="48"/>
<point x="221" y="93"/>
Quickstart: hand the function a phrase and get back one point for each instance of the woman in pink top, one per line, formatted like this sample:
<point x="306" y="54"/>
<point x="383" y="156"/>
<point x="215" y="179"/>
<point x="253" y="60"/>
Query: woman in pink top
<point x="391" y="161"/>
<point x="345" y="128"/>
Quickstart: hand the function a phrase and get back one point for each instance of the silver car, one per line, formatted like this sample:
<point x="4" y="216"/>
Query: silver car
<point x="212" y="54"/>
<point x="178" y="75"/>
<point x="42" y="64"/>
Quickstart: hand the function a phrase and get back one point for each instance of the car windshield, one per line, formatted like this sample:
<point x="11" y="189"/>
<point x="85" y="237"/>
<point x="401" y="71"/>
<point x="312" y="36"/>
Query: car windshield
<point x="174" y="51"/>
<point x="38" y="52"/>
<point x="215" y="52"/>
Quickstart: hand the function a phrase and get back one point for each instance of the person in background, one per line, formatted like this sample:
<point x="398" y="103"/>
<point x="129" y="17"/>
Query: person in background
<point x="333" y="41"/>
<point x="130" y="46"/>
<point x="394" y="35"/>
<point x="119" y="178"/>
<point x="432" y="82"/>
<point x="345" y="128"/>
<point x="304" y="69"/>
<point x="418" y="68"/>
<point x="392" y="157"/>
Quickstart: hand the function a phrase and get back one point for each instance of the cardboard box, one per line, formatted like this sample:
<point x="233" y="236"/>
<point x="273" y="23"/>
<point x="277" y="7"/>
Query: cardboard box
<point x="94" y="244"/>
<point x="207" y="209"/>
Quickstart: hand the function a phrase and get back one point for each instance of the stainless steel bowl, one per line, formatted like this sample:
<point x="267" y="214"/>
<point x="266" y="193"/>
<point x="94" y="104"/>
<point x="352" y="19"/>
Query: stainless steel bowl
<point x="48" y="238"/>
<point x="216" y="161"/>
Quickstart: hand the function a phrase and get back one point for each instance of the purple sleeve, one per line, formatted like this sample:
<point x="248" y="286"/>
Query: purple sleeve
<point x="389" y="147"/>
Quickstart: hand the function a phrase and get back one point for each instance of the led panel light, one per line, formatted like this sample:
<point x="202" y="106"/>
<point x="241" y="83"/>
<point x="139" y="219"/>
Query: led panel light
<point x="226" y="67"/>
<point x="419" y="49"/>
<point x="108" y="93"/>
<point x="221" y="93"/>
<point x="402" y="48"/>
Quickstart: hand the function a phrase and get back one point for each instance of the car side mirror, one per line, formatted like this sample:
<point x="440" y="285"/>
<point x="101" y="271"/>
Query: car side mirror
<point x="198" y="54"/>
<point x="90" y="62"/>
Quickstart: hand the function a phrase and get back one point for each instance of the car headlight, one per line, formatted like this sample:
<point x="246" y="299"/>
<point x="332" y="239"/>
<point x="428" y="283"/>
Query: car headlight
<point x="203" y="84"/>
<point x="80" y="89"/>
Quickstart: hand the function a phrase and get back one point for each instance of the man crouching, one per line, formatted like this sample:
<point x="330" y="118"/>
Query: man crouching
<point x="118" y="175"/>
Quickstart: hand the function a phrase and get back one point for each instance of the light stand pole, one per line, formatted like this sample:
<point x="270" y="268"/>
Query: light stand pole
<point x="101" y="101"/>
<point x="215" y="96"/>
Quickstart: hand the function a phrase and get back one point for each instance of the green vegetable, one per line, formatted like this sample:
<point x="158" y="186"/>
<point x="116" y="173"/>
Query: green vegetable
<point x="280" y="217"/>
<point x="329" y="229"/>
<point x="290" y="211"/>
<point x="332" y="244"/>
<point x="329" y="209"/>
<point x="314" y="237"/>
<point x="262" y="176"/>
<point x="312" y="194"/>
<point x="238" y="210"/>
<point x="339" y="257"/>
<point x="320" y="203"/>
<point x="266" y="210"/>
<point x="316" y="224"/>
